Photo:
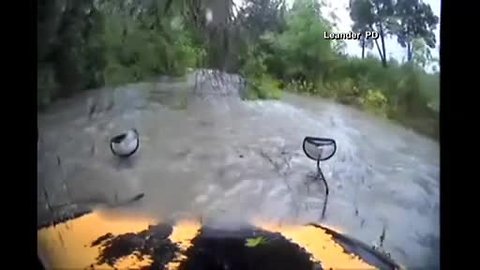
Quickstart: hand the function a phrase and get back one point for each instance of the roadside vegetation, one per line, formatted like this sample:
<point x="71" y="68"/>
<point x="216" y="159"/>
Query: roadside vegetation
<point x="87" y="44"/>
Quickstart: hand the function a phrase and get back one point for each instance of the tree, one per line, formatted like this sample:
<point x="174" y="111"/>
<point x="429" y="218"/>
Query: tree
<point x="304" y="52"/>
<point x="414" y="20"/>
<point x="260" y="16"/>
<point x="365" y="43"/>
<point x="65" y="30"/>
<point x="373" y="15"/>
<point x="360" y="12"/>
<point x="421" y="54"/>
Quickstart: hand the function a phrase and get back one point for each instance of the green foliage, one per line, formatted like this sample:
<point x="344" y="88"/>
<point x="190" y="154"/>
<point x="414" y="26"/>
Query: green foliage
<point x="421" y="53"/>
<point x="260" y="16"/>
<point x="268" y="88"/>
<point x="260" y="84"/>
<point x="414" y="20"/>
<point x="254" y="66"/>
<point x="408" y="20"/>
<point x="401" y="92"/>
<point x="373" y="15"/>
<point x="345" y="91"/>
<point x="137" y="52"/>
<point x="302" y="51"/>
<point x="375" y="101"/>
<point x="87" y="44"/>
<point x="302" y="86"/>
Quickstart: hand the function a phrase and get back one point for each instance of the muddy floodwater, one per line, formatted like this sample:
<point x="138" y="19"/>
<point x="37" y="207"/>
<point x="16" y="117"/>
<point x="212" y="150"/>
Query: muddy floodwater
<point x="205" y="152"/>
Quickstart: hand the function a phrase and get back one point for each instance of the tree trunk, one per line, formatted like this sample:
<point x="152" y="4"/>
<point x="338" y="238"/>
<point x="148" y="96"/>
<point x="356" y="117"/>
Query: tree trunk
<point x="382" y="38"/>
<point x="363" y="47"/>
<point x="379" y="50"/>
<point x="409" y="52"/>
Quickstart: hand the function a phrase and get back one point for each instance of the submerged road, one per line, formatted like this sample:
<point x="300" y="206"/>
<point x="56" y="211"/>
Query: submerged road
<point x="208" y="153"/>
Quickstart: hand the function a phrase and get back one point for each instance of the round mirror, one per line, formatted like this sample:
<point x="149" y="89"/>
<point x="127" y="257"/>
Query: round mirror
<point x="319" y="148"/>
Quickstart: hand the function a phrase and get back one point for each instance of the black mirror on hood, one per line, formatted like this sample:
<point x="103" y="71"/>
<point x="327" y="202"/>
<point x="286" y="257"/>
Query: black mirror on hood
<point x="319" y="148"/>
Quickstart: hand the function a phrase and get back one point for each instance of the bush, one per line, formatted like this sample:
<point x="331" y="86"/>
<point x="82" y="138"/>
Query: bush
<point x="142" y="52"/>
<point x="345" y="91"/>
<point x="301" y="86"/>
<point x="261" y="85"/>
<point x="405" y="93"/>
<point x="269" y="88"/>
<point x="265" y="87"/>
<point x="375" y="101"/>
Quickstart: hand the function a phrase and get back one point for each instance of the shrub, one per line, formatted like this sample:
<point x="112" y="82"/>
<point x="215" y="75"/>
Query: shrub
<point x="265" y="87"/>
<point x="375" y="101"/>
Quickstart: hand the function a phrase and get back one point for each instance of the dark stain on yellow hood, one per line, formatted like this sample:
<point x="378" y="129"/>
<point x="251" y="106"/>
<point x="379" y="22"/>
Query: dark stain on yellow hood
<point x="219" y="249"/>
<point x="152" y="243"/>
<point x="101" y="241"/>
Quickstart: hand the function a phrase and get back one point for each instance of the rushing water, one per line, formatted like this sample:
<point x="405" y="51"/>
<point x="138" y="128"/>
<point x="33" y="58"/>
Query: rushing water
<point x="230" y="161"/>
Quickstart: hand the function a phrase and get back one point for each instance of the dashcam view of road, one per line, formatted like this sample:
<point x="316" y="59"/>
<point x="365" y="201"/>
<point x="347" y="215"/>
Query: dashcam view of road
<point x="166" y="112"/>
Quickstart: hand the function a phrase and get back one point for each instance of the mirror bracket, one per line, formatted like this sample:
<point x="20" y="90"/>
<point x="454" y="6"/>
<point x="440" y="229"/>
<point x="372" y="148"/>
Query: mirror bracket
<point x="318" y="144"/>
